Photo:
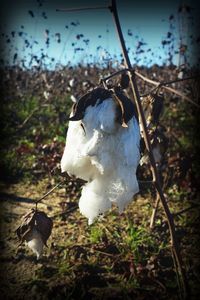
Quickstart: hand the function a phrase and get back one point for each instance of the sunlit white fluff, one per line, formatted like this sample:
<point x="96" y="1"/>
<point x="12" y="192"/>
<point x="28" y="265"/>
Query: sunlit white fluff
<point x="35" y="243"/>
<point x="94" y="200"/>
<point x="106" y="155"/>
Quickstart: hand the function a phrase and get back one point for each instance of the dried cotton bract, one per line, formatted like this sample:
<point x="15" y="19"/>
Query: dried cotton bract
<point x="104" y="153"/>
<point x="35" y="230"/>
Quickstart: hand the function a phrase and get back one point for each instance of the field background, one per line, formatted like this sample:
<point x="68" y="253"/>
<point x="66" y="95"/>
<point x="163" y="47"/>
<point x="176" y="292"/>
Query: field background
<point x="48" y="58"/>
<point x="118" y="257"/>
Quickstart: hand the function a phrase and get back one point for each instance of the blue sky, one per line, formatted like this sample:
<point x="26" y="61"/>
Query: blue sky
<point x="33" y="28"/>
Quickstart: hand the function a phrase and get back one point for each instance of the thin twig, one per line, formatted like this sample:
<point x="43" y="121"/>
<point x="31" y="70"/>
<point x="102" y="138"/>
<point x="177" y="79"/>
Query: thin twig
<point x="104" y="253"/>
<point x="88" y="246"/>
<point x="145" y="181"/>
<point x="20" y="126"/>
<point x="185" y="210"/>
<point x="80" y="8"/>
<point x="66" y="212"/>
<point x="28" y="118"/>
<point x="176" y="139"/>
<point x="169" y="82"/>
<point x="154" y="212"/>
<point x="162" y="85"/>
<point x="104" y="79"/>
<point x="48" y="193"/>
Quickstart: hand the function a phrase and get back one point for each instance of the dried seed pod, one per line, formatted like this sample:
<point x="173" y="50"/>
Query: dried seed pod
<point x="90" y="98"/>
<point x="124" y="81"/>
<point x="147" y="109"/>
<point x="35" y="229"/>
<point x="125" y="107"/>
<point x="159" y="144"/>
<point x="153" y="108"/>
<point x="157" y="109"/>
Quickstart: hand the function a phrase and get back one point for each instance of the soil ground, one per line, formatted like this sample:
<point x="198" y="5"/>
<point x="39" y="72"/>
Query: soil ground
<point x="99" y="261"/>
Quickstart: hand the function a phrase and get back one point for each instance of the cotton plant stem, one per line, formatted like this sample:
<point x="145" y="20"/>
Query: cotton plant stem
<point x="174" y="244"/>
<point x="154" y="212"/>
<point x="156" y="205"/>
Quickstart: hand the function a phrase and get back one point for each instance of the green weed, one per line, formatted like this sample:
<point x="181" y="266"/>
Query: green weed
<point x="96" y="234"/>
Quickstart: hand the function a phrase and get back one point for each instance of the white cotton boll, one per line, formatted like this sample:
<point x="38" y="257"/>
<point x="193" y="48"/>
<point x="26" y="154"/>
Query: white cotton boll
<point x="106" y="112"/>
<point x="122" y="191"/>
<point x="97" y="165"/>
<point x="35" y="243"/>
<point x="73" y="98"/>
<point x="46" y="95"/>
<point x="157" y="154"/>
<point x="125" y="156"/>
<point x="123" y="186"/>
<point x="107" y="116"/>
<point x="99" y="149"/>
<point x="93" y="200"/>
<point x="90" y="147"/>
<point x="106" y="155"/>
<point x="129" y="144"/>
<point x="71" y="82"/>
<point x="82" y="156"/>
<point x="73" y="161"/>
<point x="103" y="163"/>
<point x="92" y="205"/>
<point x="144" y="160"/>
<point x="180" y="75"/>
<point x="77" y="165"/>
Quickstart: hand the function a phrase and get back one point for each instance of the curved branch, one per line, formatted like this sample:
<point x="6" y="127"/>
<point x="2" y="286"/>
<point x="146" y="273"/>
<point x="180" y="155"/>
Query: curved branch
<point x="163" y="85"/>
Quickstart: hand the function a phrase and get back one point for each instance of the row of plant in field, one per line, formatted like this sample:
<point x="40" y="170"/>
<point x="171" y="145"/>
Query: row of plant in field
<point x="34" y="122"/>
